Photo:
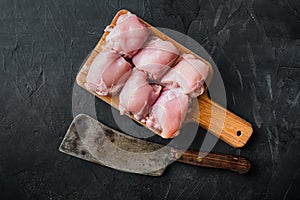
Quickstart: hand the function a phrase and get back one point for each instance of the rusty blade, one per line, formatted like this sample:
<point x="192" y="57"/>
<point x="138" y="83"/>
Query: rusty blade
<point x="90" y="140"/>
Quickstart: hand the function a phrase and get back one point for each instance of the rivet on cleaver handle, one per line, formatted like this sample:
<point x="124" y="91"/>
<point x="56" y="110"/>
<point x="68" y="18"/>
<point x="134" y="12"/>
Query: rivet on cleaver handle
<point x="90" y="140"/>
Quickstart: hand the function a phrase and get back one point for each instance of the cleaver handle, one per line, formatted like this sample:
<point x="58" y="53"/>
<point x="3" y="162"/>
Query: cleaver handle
<point x="233" y="163"/>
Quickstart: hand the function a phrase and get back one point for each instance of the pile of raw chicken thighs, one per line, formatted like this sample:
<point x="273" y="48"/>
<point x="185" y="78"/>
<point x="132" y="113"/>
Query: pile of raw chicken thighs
<point x="154" y="82"/>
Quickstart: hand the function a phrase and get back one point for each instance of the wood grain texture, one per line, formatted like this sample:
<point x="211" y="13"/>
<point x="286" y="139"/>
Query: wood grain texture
<point x="229" y="127"/>
<point x="222" y="123"/>
<point x="236" y="164"/>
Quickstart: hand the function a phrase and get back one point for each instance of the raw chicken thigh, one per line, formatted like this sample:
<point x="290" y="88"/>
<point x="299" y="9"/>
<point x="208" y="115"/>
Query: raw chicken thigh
<point x="108" y="73"/>
<point x="168" y="112"/>
<point x="156" y="57"/>
<point x="128" y="36"/>
<point x="190" y="74"/>
<point x="137" y="95"/>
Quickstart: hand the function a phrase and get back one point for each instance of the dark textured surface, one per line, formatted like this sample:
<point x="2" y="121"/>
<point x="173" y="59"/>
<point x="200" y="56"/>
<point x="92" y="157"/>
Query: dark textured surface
<point x="254" y="43"/>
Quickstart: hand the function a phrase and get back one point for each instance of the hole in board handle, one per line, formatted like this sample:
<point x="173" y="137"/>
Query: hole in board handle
<point x="238" y="133"/>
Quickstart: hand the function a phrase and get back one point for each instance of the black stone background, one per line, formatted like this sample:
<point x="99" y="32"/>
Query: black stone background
<point x="255" y="44"/>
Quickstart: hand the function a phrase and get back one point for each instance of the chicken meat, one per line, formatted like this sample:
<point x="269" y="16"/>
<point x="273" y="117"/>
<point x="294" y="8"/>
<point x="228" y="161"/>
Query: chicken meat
<point x="168" y="112"/>
<point x="108" y="73"/>
<point x="137" y="95"/>
<point x="128" y="36"/>
<point x="156" y="57"/>
<point x="189" y="73"/>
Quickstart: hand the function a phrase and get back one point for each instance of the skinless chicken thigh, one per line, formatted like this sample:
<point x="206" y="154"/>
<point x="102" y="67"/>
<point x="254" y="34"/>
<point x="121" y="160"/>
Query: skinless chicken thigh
<point x="108" y="73"/>
<point x="168" y="112"/>
<point x="137" y="95"/>
<point x="128" y="36"/>
<point x="189" y="73"/>
<point x="156" y="57"/>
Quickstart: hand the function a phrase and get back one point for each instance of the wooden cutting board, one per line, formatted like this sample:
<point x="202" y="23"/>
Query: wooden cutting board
<point x="224" y="124"/>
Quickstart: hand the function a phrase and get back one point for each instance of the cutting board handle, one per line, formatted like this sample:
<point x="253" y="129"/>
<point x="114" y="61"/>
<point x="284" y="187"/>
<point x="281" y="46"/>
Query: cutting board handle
<point x="235" y="131"/>
<point x="233" y="163"/>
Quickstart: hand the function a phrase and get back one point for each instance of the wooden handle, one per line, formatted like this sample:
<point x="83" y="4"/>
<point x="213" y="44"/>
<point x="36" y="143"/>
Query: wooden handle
<point x="233" y="163"/>
<point x="224" y="124"/>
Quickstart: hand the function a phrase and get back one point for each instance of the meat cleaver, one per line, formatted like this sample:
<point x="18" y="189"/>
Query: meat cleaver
<point x="90" y="140"/>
